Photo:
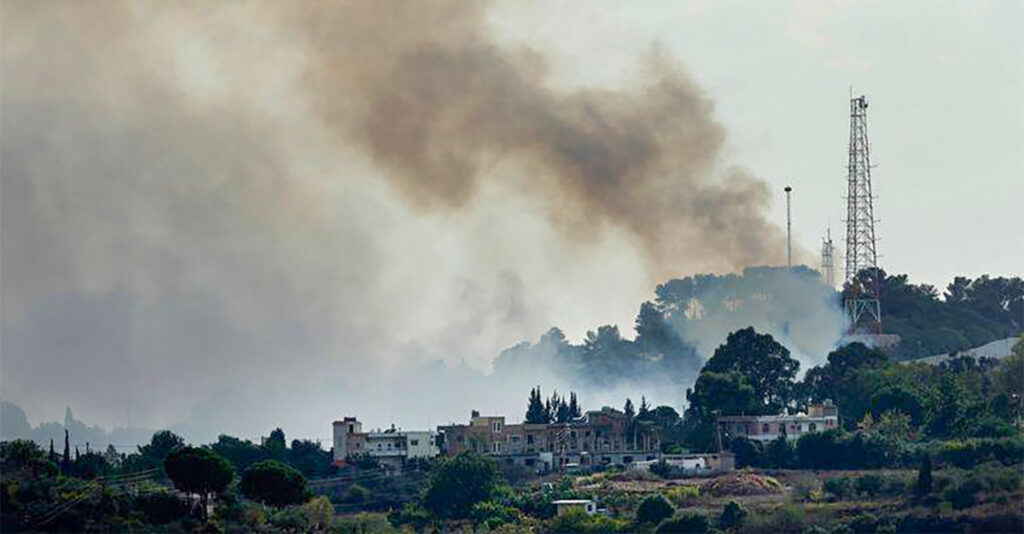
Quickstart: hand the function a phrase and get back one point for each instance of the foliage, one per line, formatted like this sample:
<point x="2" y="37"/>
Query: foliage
<point x="274" y="483"/>
<point x="764" y="362"/>
<point x="654" y="509"/>
<point x="580" y="521"/>
<point x="493" y="514"/>
<point x="924" y="476"/>
<point x="733" y="515"/>
<point x="687" y="522"/>
<point x="458" y="483"/>
<point x="198" y="471"/>
<point x="411" y="514"/>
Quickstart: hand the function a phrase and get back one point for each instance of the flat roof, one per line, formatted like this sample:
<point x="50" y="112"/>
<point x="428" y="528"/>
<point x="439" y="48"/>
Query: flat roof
<point x="572" y="501"/>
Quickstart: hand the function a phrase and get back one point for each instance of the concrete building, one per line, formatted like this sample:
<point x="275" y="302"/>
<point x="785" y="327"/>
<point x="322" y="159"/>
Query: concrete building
<point x="599" y="437"/>
<point x="694" y="464"/>
<point x="391" y="447"/>
<point x="565" y="506"/>
<point x="765" y="428"/>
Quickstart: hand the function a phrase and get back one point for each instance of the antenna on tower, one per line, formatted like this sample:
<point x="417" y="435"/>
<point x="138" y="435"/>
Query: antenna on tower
<point x="861" y="289"/>
<point x="789" y="229"/>
<point x="828" y="273"/>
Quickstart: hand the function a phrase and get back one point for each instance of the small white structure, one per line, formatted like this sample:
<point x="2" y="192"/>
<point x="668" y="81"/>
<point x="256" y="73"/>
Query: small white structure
<point x="391" y="447"/>
<point x="566" y="505"/>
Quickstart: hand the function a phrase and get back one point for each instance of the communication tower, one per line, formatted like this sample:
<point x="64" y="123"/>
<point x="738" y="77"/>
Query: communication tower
<point x="828" y="255"/>
<point x="860" y="292"/>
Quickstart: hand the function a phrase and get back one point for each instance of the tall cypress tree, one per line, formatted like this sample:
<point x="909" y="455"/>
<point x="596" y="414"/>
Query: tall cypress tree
<point x="53" y="455"/>
<point x="574" y="407"/>
<point x="65" y="464"/>
<point x="535" y="412"/>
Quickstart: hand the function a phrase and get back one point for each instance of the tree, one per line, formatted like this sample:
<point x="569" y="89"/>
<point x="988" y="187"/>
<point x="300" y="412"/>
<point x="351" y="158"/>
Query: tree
<point x="733" y="515"/>
<point x="644" y="408"/>
<point x="276" y="446"/>
<point x="575" y="412"/>
<point x="65" y="464"/>
<point x="766" y="364"/>
<point x="654" y="509"/>
<point x="198" y="471"/>
<point x="309" y="458"/>
<point x="160" y="445"/>
<point x="629" y="410"/>
<point x="275" y="484"/>
<point x="716" y="394"/>
<point x="535" y="412"/>
<point x="687" y="522"/>
<point x="924" y="476"/>
<point x="458" y="483"/>
<point x="241" y="453"/>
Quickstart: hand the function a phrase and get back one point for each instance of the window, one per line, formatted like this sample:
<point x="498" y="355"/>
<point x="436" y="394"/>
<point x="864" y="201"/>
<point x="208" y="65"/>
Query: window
<point x="496" y="426"/>
<point x="414" y="442"/>
<point x="529" y="439"/>
<point x="812" y="427"/>
<point x="379" y="446"/>
<point x="497" y="447"/>
<point x="764" y="428"/>
<point x="351" y="429"/>
<point x="572" y="434"/>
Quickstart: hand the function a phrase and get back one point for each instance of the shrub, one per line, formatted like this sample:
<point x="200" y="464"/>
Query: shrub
<point x="580" y="521"/>
<point x="654" y="509"/>
<point x="688" y="522"/>
<point x="493" y="514"/>
<point x="356" y="494"/>
<point x="412" y="515"/>
<point x="841" y="487"/>
<point x="869" y="485"/>
<point x="684" y="495"/>
<point x="733" y="515"/>
<point x="924" y="476"/>
<point x="964" y="495"/>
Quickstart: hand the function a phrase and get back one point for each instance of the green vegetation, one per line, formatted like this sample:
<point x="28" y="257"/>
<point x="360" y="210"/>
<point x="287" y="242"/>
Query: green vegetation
<point x="274" y="483"/>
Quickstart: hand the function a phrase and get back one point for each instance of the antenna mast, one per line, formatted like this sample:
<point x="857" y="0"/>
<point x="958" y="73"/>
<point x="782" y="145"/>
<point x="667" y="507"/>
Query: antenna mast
<point x="861" y="289"/>
<point x="828" y="272"/>
<point x="789" y="229"/>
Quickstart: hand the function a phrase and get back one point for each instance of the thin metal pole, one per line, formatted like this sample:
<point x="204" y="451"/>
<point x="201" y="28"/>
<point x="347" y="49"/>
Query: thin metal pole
<point x="789" y="229"/>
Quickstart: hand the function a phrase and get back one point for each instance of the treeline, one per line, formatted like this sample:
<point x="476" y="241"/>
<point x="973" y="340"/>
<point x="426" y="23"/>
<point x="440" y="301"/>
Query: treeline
<point x="903" y="402"/>
<point x="969" y="313"/>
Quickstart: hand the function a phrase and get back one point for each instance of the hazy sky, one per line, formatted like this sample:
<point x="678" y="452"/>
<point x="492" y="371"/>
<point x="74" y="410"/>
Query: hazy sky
<point x="944" y="80"/>
<point x="237" y="212"/>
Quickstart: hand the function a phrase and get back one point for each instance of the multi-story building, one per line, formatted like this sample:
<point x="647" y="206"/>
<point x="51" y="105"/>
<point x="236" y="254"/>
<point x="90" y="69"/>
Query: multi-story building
<point x="391" y="447"/>
<point x="602" y="436"/>
<point x="765" y="428"/>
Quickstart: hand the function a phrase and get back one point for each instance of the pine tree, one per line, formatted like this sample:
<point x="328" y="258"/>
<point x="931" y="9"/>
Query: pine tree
<point x="53" y="455"/>
<point x="628" y="409"/>
<point x="644" y="409"/>
<point x="76" y="453"/>
<point x="535" y="412"/>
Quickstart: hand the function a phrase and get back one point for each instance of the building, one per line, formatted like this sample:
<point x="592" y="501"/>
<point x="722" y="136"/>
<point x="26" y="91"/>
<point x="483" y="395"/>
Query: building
<point x="765" y="428"/>
<point x="391" y="447"/>
<point x="695" y="464"/>
<point x="602" y="436"/>
<point x="565" y="506"/>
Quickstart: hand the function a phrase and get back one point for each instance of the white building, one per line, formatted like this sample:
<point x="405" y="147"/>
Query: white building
<point x="390" y="447"/>
<point x="765" y="428"/>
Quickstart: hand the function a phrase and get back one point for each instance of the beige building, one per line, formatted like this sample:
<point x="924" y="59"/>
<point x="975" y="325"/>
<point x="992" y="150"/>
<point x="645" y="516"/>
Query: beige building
<point x="765" y="428"/>
<point x="599" y="437"/>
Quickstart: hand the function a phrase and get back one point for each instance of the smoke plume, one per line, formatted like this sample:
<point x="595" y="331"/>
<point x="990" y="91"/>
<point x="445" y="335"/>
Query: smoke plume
<point x="291" y="201"/>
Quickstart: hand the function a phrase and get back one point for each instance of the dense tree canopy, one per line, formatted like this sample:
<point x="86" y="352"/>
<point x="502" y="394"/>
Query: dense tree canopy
<point x="458" y="483"/>
<point x="199" y="471"/>
<point x="765" y="364"/>
<point x="274" y="483"/>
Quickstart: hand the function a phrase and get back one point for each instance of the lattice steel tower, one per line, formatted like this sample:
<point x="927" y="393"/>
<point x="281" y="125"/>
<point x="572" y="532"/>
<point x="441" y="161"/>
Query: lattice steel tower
<point x="828" y="255"/>
<point x="860" y="293"/>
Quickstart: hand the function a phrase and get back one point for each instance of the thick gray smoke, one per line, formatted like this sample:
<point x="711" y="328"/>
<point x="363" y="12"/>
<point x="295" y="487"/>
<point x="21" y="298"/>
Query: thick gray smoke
<point x="260" y="213"/>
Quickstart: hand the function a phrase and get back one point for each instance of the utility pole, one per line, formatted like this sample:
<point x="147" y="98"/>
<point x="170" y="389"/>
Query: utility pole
<point x="789" y="229"/>
<point x="861" y="297"/>
<point x="828" y="273"/>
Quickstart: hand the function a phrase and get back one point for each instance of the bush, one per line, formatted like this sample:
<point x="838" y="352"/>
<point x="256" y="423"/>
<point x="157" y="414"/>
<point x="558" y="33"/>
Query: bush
<point x="688" y="522"/>
<point x="964" y="495"/>
<point x="580" y="521"/>
<point x="412" y="515"/>
<point x="841" y="487"/>
<point x="733" y="515"/>
<point x="654" y="509"/>
<point x="684" y="495"/>
<point x="869" y="485"/>
<point x="356" y="494"/>
<point x="161" y="507"/>
<point x="492" y="514"/>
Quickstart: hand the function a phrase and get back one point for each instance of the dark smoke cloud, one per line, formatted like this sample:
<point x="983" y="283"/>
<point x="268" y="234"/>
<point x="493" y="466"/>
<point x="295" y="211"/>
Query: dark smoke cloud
<point x="423" y="89"/>
<point x="201" y="197"/>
